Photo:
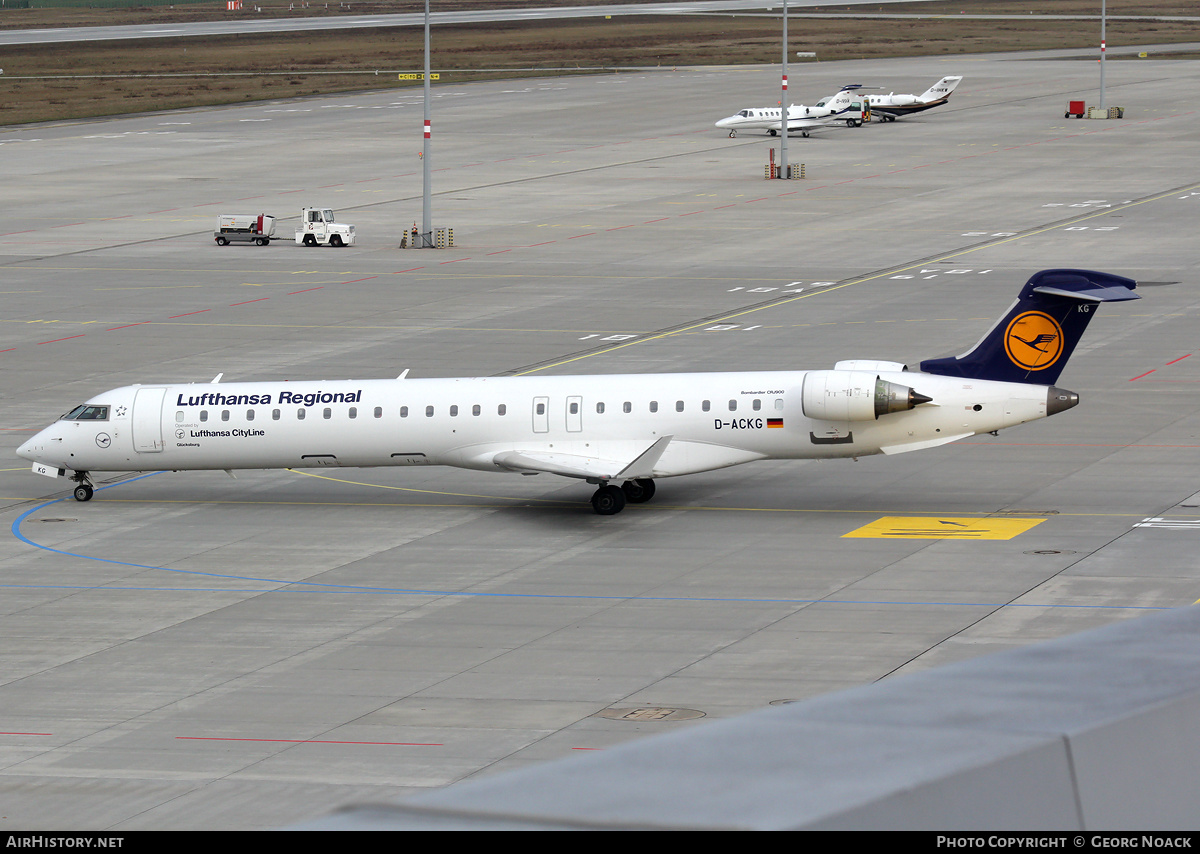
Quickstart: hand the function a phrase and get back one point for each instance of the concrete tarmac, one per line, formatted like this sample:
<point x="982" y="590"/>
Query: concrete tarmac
<point x="191" y="651"/>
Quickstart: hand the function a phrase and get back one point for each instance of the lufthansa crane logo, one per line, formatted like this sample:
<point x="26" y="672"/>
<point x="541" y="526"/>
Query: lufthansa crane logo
<point x="1033" y="340"/>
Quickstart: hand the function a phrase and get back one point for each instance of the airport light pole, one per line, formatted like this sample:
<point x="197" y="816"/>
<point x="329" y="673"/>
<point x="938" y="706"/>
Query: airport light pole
<point x="426" y="207"/>
<point x="1103" y="46"/>
<point x="783" y="104"/>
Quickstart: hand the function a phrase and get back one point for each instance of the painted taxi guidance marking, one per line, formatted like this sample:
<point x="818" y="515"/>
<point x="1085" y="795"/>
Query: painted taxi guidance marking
<point x="942" y="528"/>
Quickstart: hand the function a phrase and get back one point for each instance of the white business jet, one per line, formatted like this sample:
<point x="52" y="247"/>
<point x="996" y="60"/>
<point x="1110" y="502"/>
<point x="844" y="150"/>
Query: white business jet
<point x="844" y="106"/>
<point x="891" y="106"/>
<point x="619" y="432"/>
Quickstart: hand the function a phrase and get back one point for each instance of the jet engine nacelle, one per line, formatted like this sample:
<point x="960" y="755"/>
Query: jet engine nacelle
<point x="904" y="100"/>
<point x="854" y="396"/>
<point x="869" y="365"/>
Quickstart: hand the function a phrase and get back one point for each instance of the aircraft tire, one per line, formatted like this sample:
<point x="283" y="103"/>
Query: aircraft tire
<point x="608" y="500"/>
<point x="773" y="132"/>
<point x="733" y="134"/>
<point x="638" y="491"/>
<point x="83" y="492"/>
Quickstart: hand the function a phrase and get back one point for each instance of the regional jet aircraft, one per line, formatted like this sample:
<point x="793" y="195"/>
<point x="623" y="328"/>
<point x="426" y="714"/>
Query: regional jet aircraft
<point x="889" y="107"/>
<point x="619" y="432"/>
<point x="845" y="106"/>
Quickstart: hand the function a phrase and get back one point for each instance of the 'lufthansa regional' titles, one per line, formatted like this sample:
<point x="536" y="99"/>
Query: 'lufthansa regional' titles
<point x="216" y="398"/>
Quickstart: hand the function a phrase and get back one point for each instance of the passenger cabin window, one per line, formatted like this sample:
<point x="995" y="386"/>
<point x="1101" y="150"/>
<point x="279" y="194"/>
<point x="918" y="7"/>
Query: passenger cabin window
<point x="275" y="414"/>
<point x="224" y="414"/>
<point x="203" y="414"/>
<point x="733" y="405"/>
<point x="454" y="411"/>
<point x="706" y="405"/>
<point x="627" y="406"/>
<point x="541" y="409"/>
<point x="779" y="404"/>
<point x="300" y="414"/>
<point x="87" y="412"/>
<point x="757" y="405"/>
<point x="654" y="406"/>
<point x="501" y="409"/>
<point x="249" y="414"/>
<point x="378" y="411"/>
<point x="428" y="411"/>
<point x="599" y="408"/>
<point x="353" y="412"/>
<point x="574" y="407"/>
<point x="179" y="417"/>
<point x="403" y="411"/>
<point x="679" y="406"/>
<point x="475" y="410"/>
<point x="328" y="413"/>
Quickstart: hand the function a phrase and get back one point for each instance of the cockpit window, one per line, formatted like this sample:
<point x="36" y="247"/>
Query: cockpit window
<point x="87" y="412"/>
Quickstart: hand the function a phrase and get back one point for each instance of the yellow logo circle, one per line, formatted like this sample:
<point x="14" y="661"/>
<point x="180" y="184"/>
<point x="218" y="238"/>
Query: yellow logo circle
<point x="1033" y="340"/>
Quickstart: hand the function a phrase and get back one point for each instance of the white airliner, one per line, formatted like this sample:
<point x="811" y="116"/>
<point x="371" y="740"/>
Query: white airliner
<point x="844" y="106"/>
<point x="889" y="107"/>
<point x="619" y="432"/>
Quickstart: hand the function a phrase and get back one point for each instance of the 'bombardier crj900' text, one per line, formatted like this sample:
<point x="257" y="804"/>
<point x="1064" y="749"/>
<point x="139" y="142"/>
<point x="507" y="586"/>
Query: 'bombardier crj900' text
<point x="618" y="432"/>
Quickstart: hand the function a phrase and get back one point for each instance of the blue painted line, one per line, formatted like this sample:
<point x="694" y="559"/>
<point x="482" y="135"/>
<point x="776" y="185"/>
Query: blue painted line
<point x="321" y="587"/>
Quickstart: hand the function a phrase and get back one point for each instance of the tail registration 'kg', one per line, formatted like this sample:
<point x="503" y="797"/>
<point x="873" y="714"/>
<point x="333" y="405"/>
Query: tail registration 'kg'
<point x="619" y="432"/>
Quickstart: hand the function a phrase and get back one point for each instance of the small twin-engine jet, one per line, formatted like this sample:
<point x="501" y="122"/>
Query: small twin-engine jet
<point x="843" y="107"/>
<point x="619" y="432"/>
<point x="891" y="106"/>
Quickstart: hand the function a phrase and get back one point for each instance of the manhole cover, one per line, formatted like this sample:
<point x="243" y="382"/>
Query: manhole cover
<point x="642" y="714"/>
<point x="1050" y="552"/>
<point x="56" y="520"/>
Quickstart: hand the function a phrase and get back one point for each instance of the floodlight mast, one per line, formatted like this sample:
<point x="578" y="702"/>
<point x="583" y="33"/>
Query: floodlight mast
<point x="783" y="103"/>
<point x="426" y="206"/>
<point x="1103" y="47"/>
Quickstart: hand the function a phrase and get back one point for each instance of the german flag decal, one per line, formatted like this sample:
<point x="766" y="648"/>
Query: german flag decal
<point x="774" y="422"/>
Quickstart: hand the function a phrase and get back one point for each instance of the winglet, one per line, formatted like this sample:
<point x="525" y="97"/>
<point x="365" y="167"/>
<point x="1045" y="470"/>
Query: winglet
<point x="643" y="465"/>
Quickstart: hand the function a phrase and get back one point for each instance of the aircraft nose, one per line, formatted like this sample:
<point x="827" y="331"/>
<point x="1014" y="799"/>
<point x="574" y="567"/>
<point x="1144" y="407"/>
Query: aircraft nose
<point x="726" y="122"/>
<point x="26" y="450"/>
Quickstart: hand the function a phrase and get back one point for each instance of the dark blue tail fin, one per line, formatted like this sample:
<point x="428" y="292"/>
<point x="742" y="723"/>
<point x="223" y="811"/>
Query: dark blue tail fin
<point x="1034" y="339"/>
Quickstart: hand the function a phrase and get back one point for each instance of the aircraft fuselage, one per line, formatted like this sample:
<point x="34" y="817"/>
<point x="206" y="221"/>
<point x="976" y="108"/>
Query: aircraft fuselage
<point x="713" y="420"/>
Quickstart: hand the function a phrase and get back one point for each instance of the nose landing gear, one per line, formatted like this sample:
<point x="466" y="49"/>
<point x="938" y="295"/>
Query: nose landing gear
<point x="84" y="490"/>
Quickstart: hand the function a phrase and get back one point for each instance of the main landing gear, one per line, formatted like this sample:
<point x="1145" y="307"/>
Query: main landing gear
<point x="609" y="500"/>
<point x="84" y="489"/>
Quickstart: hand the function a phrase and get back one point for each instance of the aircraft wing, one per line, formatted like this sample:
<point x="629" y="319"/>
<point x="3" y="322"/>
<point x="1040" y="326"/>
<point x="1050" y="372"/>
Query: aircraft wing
<point x="584" y="467"/>
<point x="804" y="123"/>
<point x="814" y="122"/>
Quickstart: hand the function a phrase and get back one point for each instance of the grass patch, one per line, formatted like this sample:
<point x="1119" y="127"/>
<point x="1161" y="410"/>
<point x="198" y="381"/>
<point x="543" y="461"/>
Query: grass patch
<point x="87" y="79"/>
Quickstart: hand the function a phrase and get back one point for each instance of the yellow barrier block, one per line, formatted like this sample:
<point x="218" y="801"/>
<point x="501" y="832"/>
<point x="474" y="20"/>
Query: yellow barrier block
<point x="942" y="528"/>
